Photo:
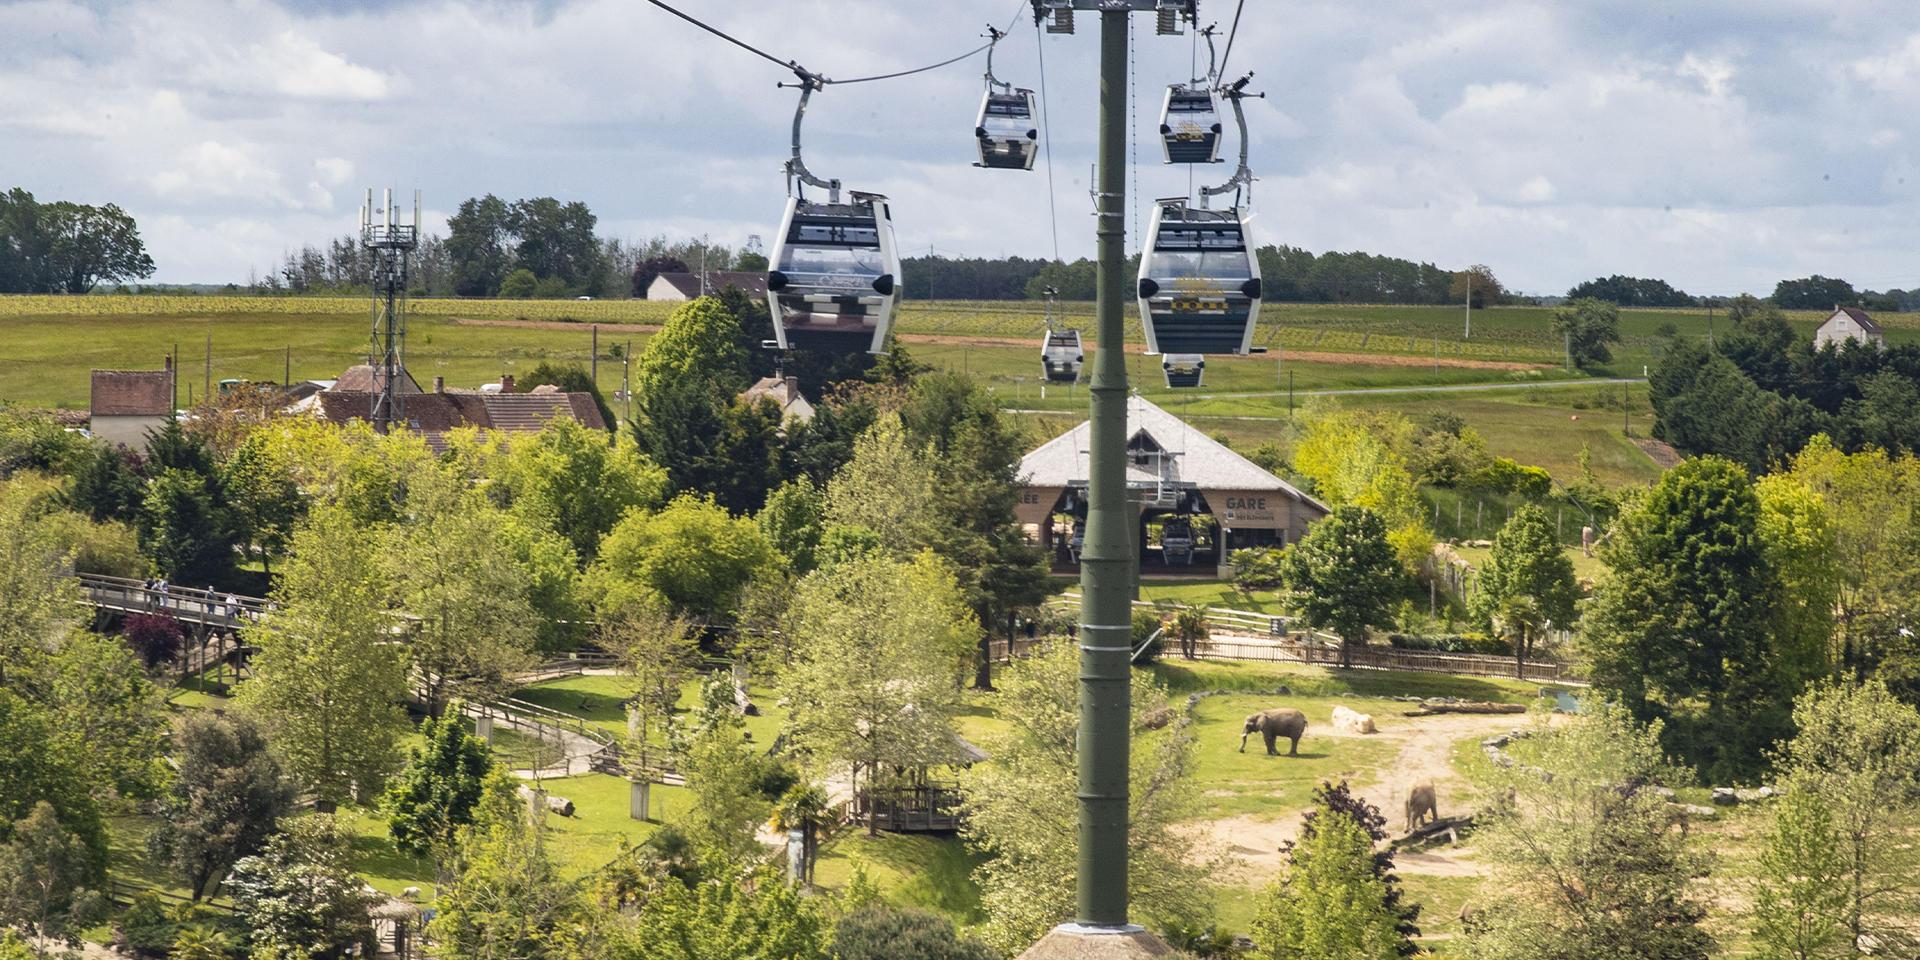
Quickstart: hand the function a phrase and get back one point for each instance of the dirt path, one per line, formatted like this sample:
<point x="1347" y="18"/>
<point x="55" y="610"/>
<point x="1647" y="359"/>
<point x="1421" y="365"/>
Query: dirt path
<point x="1425" y="746"/>
<point x="1027" y="343"/>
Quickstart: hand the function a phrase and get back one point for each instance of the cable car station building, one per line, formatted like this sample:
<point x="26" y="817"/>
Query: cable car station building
<point x="1198" y="500"/>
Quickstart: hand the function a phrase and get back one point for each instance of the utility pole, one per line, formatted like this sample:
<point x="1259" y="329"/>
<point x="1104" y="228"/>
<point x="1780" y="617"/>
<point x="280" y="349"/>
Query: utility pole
<point x="1106" y="614"/>
<point x="595" y="363"/>
<point x="1469" y="334"/>
<point x="1108" y="561"/>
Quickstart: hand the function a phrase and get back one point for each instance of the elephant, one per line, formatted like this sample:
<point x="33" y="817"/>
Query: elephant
<point x="1421" y="806"/>
<point x="1274" y="724"/>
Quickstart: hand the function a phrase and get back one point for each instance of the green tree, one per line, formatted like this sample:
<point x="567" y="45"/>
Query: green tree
<point x="39" y="603"/>
<point x="34" y="770"/>
<point x="682" y="385"/>
<point x="506" y="900"/>
<point x="1857" y="752"/>
<point x="299" y="897"/>
<point x="521" y="284"/>
<point x="1681" y="626"/>
<point x="437" y="791"/>
<point x="691" y="557"/>
<point x="91" y="245"/>
<point x="1342" y="576"/>
<point x="793" y="521"/>
<point x="1527" y="565"/>
<point x="1328" y="905"/>
<point x="106" y="486"/>
<point x="471" y="627"/>
<point x="1477" y="286"/>
<point x="660" y="652"/>
<point x="44" y="878"/>
<point x="579" y="483"/>
<point x="1588" y="326"/>
<point x="888" y="933"/>
<point x="263" y="502"/>
<point x="1814" y="293"/>
<point x="227" y="796"/>
<point x="1587" y="861"/>
<point x="886" y="488"/>
<point x="976" y="454"/>
<point x="478" y="242"/>
<point x="1798" y="534"/>
<point x="327" y="681"/>
<point x="723" y="781"/>
<point x="1870" y="500"/>
<point x="877" y="647"/>
<point x="1021" y="808"/>
<point x="107" y="715"/>
<point x="753" y="917"/>
<point x="1800" y="883"/>
<point x="185" y="531"/>
<point x="1357" y="459"/>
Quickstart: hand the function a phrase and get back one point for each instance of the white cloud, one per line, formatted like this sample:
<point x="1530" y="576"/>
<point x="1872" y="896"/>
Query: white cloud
<point x="1553" y="141"/>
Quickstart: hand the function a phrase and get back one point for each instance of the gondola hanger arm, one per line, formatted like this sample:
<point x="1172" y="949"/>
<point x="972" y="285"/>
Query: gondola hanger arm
<point x="1242" y="179"/>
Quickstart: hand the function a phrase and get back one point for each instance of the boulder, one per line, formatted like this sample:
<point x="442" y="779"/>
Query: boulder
<point x="1352" y="721"/>
<point x="1746" y="795"/>
<point x="1156" y="718"/>
<point x="1696" y="810"/>
<point x="1725" y="797"/>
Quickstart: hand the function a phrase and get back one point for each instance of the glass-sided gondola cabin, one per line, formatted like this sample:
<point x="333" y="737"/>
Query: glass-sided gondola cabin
<point x="1061" y="356"/>
<point x="1184" y="369"/>
<point x="835" y="275"/>
<point x="1190" y="125"/>
<point x="1199" y="281"/>
<point x="1005" y="132"/>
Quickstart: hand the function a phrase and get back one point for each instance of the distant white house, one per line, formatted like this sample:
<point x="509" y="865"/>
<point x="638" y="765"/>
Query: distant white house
<point x="1848" y="323"/>
<point x="686" y="286"/>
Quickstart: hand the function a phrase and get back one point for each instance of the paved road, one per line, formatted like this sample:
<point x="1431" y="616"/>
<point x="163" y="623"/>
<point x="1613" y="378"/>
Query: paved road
<point x="1370" y="391"/>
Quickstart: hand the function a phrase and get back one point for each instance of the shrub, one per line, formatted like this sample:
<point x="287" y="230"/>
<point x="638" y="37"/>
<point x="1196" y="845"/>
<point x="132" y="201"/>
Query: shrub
<point x="1509" y="476"/>
<point x="886" y="933"/>
<point x="1452" y="643"/>
<point x="1145" y="622"/>
<point x="146" y="929"/>
<point x="155" y="637"/>
<point x="1256" y="568"/>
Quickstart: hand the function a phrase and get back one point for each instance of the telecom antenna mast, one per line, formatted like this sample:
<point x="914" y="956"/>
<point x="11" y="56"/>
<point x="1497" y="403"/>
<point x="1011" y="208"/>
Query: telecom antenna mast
<point x="390" y="244"/>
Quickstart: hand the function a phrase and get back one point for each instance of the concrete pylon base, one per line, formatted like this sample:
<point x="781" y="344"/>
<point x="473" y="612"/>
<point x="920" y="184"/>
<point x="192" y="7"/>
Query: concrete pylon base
<point x="1071" y="941"/>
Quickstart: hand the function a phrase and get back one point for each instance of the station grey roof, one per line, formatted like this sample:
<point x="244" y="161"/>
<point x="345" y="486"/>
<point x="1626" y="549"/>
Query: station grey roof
<point x="1192" y="457"/>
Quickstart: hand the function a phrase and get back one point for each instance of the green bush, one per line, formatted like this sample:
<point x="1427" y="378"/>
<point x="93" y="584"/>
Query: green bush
<point x="1452" y="643"/>
<point x="1145" y="622"/>
<point x="146" y="929"/>
<point x="1509" y="476"/>
<point x="1256" y="568"/>
<point x="887" y="933"/>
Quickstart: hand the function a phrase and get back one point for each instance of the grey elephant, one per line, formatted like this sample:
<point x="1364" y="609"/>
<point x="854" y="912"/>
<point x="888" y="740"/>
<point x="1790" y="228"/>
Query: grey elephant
<point x="1421" y="806"/>
<point x="1274" y="724"/>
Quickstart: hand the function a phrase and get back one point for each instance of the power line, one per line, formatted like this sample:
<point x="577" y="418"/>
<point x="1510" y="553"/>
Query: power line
<point x="908" y="73"/>
<point x="807" y="75"/>
<point x="1232" y="32"/>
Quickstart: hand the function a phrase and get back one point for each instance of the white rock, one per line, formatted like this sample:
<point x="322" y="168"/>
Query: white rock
<point x="1352" y="721"/>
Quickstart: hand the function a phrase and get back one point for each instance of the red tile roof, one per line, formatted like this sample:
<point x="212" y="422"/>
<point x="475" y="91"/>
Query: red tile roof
<point x="132" y="393"/>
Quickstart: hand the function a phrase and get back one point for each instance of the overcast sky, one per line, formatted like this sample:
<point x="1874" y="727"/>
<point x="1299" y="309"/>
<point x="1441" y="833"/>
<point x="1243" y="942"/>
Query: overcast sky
<point x="1718" y="145"/>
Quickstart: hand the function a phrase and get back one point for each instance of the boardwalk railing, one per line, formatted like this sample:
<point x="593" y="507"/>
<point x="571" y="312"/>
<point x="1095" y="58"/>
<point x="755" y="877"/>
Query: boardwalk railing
<point x="207" y="608"/>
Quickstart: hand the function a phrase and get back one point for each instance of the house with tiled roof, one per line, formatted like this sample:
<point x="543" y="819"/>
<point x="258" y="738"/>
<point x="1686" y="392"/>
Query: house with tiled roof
<point x="785" y="393"/>
<point x="1198" y="501"/>
<point x="125" y="404"/>
<point x="1848" y="323"/>
<point x="436" y="412"/>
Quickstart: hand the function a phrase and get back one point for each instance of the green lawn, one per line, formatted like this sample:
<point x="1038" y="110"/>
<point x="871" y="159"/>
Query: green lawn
<point x="600" y="700"/>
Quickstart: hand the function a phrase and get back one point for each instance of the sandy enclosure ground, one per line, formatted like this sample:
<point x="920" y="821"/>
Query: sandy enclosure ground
<point x="1425" y="745"/>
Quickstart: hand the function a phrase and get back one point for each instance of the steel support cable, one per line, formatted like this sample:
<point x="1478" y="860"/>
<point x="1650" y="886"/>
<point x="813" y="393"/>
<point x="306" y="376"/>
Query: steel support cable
<point x="807" y="75"/>
<point x="1046" y="138"/>
<point x="1232" y="32"/>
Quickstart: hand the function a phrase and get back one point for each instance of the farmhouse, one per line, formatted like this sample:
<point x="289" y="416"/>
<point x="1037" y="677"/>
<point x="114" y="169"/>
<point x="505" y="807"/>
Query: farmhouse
<point x="784" y="392"/>
<point x="1198" y="501"/>
<point x="127" y="403"/>
<point x="433" y="414"/>
<point x="1848" y="323"/>
<point x="687" y="286"/>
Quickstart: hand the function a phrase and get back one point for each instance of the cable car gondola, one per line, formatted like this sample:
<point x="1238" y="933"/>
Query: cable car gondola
<point x="1184" y="369"/>
<point x="1190" y="125"/>
<point x="1176" y="540"/>
<point x="835" y="276"/>
<point x="1199" y="282"/>
<point x="1061" y="356"/>
<point x="1005" y="131"/>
